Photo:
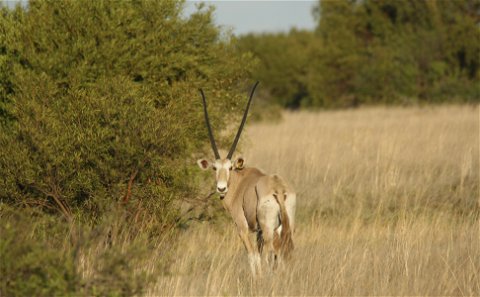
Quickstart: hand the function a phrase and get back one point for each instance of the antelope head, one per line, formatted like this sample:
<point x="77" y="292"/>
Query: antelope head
<point x="224" y="166"/>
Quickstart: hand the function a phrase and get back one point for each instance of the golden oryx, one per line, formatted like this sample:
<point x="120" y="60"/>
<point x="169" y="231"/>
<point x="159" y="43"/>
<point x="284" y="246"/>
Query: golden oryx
<point x="256" y="201"/>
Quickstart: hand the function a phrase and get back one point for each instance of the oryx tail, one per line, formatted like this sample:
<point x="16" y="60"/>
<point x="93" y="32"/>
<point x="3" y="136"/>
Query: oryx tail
<point x="286" y="242"/>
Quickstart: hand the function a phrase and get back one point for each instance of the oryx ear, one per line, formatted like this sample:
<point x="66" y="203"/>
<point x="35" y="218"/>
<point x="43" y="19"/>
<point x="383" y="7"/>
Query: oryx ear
<point x="239" y="163"/>
<point x="204" y="164"/>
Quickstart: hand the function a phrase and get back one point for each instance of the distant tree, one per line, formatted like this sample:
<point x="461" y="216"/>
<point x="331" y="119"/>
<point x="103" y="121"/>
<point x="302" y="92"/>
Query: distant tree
<point x="283" y="63"/>
<point x="337" y="61"/>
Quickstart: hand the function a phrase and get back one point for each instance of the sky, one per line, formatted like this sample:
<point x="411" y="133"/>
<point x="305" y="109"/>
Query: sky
<point x="244" y="17"/>
<point x="260" y="16"/>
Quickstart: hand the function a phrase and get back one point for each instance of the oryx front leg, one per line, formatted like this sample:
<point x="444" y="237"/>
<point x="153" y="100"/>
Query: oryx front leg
<point x="268" y="218"/>
<point x="253" y="255"/>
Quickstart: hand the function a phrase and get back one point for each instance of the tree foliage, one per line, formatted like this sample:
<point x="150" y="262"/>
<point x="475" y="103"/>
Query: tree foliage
<point x="100" y="115"/>
<point x="365" y="52"/>
<point x="283" y="63"/>
<point x="95" y="95"/>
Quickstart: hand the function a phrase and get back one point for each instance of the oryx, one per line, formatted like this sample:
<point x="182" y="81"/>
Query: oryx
<point x="256" y="201"/>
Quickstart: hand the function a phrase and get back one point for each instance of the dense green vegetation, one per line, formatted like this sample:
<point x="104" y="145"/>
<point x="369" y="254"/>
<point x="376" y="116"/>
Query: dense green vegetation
<point x="100" y="116"/>
<point x="371" y="52"/>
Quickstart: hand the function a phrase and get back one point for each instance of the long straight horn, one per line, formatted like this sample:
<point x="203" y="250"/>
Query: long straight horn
<point x="237" y="137"/>
<point x="210" y="134"/>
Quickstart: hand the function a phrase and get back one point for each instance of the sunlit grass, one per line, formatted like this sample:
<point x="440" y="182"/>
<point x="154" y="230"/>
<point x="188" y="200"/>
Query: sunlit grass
<point x="388" y="204"/>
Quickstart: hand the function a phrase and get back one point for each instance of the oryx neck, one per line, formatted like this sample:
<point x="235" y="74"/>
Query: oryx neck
<point x="235" y="179"/>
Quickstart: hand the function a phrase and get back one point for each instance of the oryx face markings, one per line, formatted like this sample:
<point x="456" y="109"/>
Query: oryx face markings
<point x="222" y="175"/>
<point x="223" y="169"/>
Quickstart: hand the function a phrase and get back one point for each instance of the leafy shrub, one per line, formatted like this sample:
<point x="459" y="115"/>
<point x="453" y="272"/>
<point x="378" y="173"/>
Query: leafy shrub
<point x="33" y="263"/>
<point x="100" y="118"/>
<point x="100" y="103"/>
<point x="42" y="256"/>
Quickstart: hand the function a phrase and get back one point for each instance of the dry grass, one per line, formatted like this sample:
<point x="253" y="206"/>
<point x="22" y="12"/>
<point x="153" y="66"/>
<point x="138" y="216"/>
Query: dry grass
<point x="388" y="204"/>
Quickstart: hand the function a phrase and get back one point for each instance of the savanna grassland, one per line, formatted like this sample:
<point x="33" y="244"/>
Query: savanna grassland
<point x="388" y="204"/>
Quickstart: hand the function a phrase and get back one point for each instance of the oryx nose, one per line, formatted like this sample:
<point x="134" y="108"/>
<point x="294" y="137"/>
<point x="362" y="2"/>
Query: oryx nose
<point x="221" y="190"/>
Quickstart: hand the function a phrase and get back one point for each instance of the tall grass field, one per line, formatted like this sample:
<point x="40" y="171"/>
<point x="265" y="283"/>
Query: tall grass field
<point x="388" y="204"/>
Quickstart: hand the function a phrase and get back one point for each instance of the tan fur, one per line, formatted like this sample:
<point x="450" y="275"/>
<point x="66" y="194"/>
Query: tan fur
<point x="241" y="199"/>
<point x="256" y="203"/>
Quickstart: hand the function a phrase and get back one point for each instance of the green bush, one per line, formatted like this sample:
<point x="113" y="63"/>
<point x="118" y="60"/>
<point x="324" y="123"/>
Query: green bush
<point x="34" y="263"/>
<point x="100" y="103"/>
<point x="100" y="120"/>
<point x="42" y="256"/>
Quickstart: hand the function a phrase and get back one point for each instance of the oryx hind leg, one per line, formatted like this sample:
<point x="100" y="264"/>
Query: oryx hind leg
<point x="267" y="215"/>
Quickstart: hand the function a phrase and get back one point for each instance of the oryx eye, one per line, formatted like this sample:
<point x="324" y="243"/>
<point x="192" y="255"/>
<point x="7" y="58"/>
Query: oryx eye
<point x="214" y="168"/>
<point x="231" y="167"/>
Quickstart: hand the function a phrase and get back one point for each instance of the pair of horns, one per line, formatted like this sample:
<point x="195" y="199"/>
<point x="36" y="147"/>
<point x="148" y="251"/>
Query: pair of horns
<point x="237" y="137"/>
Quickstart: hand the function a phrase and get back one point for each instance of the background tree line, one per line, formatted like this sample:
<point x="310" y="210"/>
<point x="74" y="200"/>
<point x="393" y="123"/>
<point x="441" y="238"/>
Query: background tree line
<point x="374" y="52"/>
